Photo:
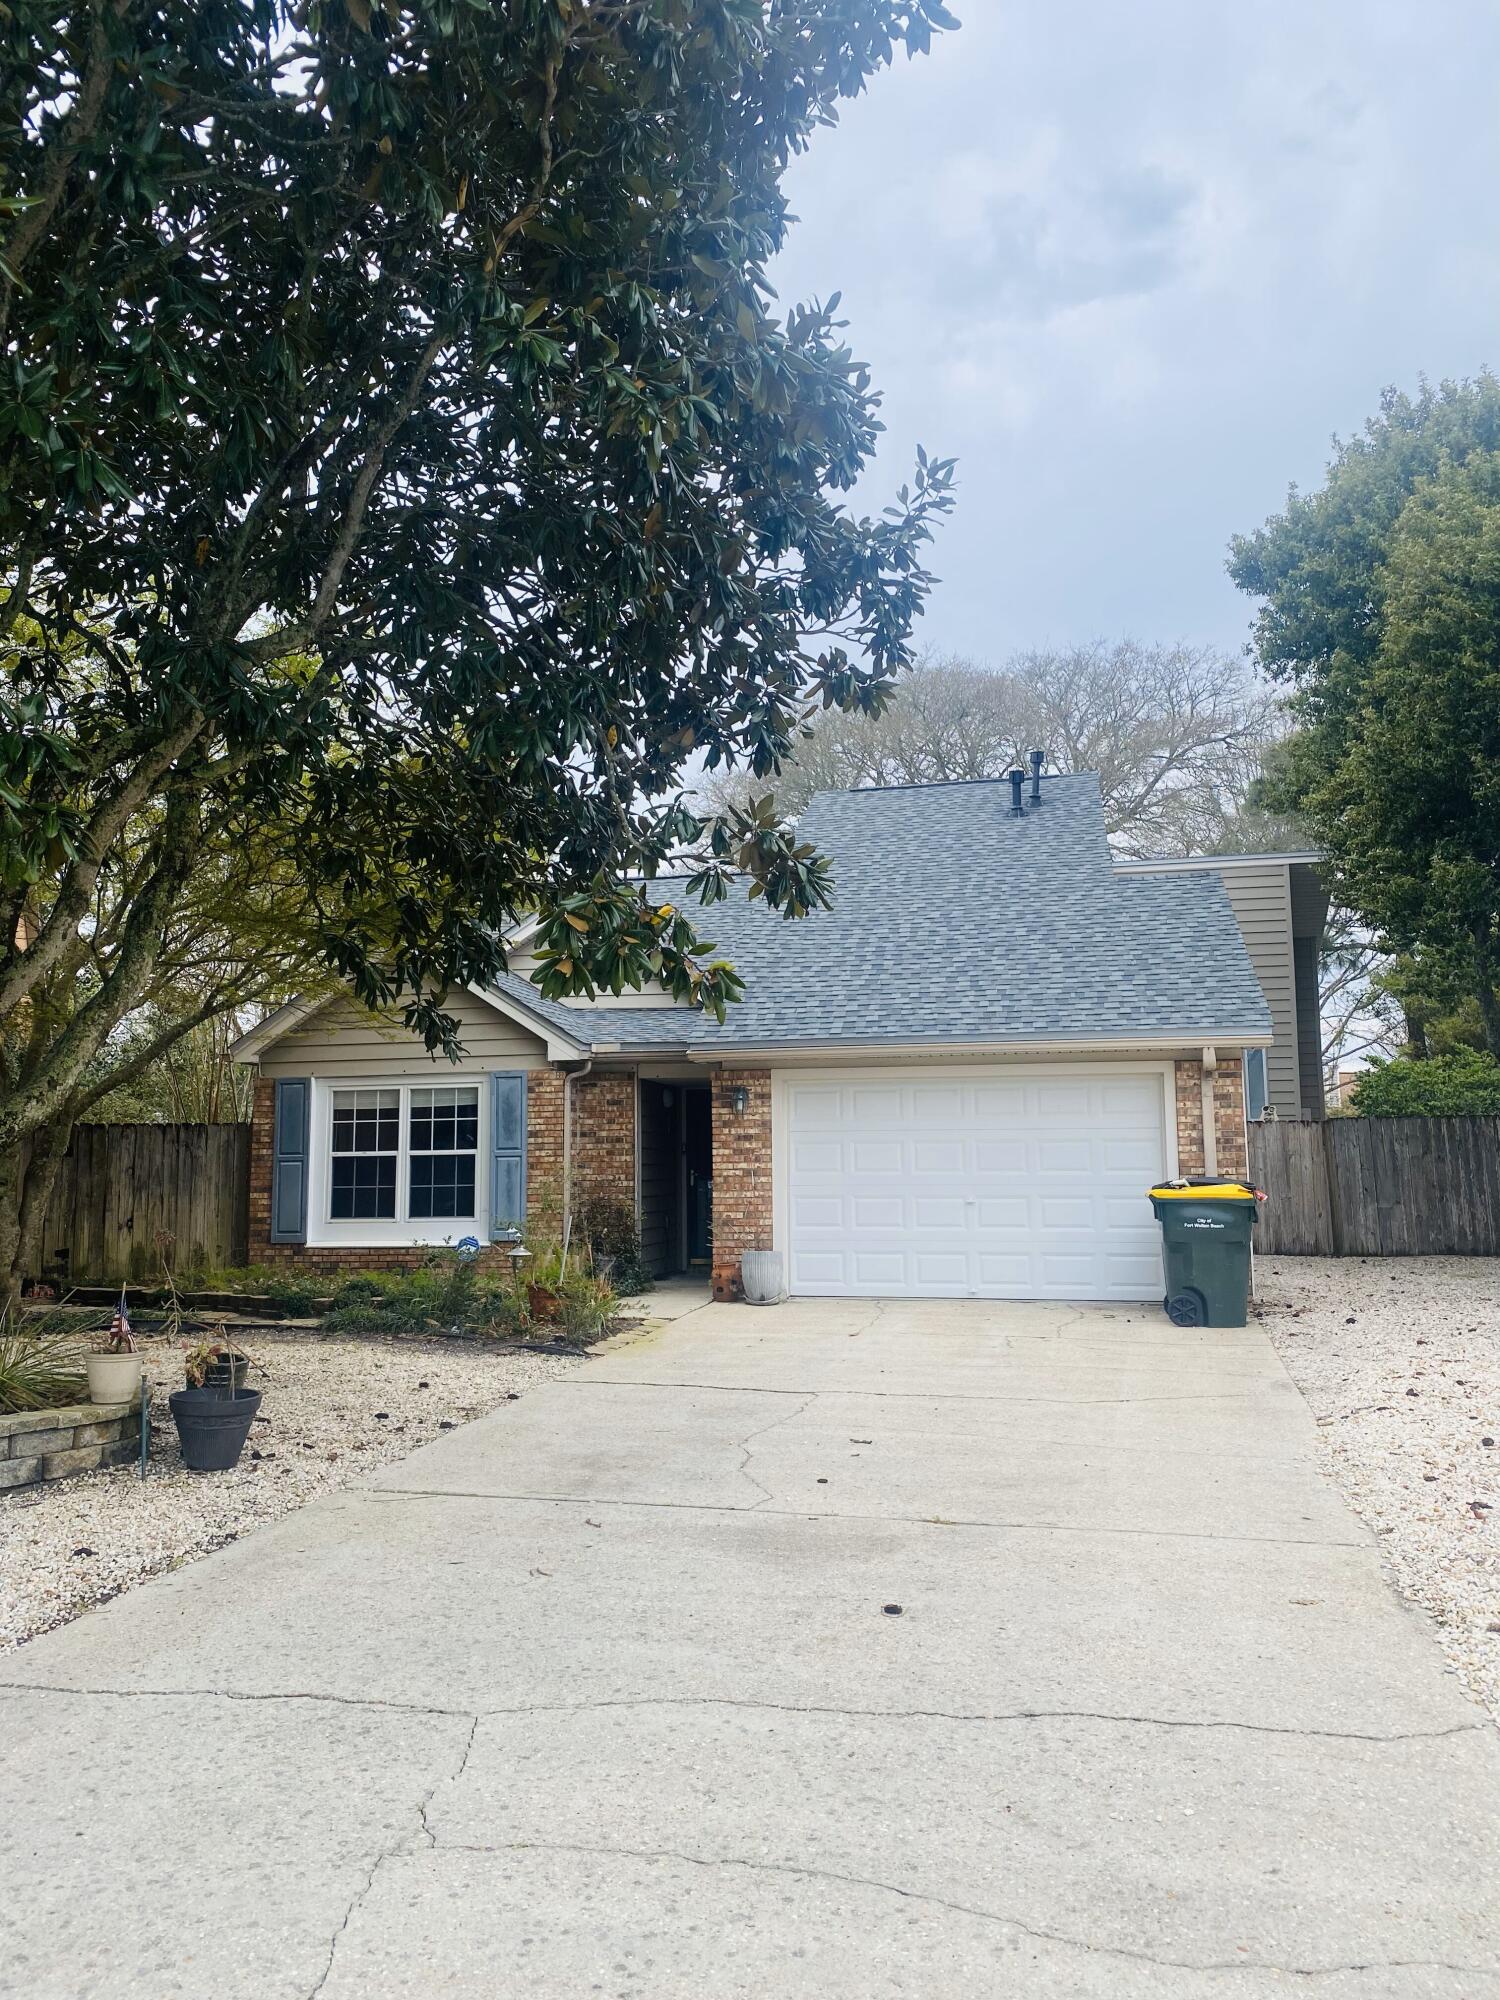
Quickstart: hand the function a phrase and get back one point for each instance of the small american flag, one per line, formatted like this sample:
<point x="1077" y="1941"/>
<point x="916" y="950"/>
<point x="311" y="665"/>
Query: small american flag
<point x="119" y="1326"/>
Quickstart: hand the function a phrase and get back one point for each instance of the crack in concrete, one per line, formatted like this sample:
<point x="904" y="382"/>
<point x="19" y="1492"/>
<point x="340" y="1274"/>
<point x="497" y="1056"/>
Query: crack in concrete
<point x="405" y="1845"/>
<point x="1042" y="1932"/>
<point x="928" y="1395"/>
<point x="743" y="1447"/>
<point x="832" y="1514"/>
<point x="354" y="1902"/>
<point x="825" y="1709"/>
<point x="452" y="1779"/>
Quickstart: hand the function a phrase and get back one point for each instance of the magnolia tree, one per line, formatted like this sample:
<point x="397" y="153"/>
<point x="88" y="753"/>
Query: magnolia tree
<point x="401" y="461"/>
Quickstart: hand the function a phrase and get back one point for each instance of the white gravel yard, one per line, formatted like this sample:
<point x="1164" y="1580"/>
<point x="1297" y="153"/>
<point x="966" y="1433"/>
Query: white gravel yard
<point x="1399" y="1359"/>
<point x="334" y="1410"/>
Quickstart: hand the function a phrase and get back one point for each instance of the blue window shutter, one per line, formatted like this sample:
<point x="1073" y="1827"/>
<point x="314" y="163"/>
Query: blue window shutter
<point x="1255" y="1084"/>
<point x="289" y="1160"/>
<point x="507" y="1153"/>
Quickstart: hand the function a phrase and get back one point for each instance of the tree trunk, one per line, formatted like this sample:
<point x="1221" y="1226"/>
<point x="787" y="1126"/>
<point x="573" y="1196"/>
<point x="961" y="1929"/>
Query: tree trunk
<point x="1416" y="1034"/>
<point x="47" y="1151"/>
<point x="1489" y="1012"/>
<point x="11" y="1173"/>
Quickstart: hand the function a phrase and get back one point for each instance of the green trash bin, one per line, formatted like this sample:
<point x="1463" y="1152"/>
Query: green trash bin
<point x="1205" y="1241"/>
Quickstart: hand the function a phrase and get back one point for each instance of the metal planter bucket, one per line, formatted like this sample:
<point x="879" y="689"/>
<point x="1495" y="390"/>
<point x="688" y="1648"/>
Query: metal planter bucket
<point x="762" y="1276"/>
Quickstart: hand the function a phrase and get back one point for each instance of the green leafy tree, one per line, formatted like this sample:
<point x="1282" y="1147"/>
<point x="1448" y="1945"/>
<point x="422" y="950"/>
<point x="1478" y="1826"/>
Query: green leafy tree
<point x="1435" y="1002"/>
<point x="399" y="456"/>
<point x="1462" y="1084"/>
<point x="240" y="937"/>
<point x="1382" y="608"/>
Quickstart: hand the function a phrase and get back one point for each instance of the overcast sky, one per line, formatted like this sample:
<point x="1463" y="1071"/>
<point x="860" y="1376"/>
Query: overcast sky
<point x="1134" y="266"/>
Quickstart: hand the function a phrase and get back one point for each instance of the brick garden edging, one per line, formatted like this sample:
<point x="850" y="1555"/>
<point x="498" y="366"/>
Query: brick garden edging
<point x="50" y="1444"/>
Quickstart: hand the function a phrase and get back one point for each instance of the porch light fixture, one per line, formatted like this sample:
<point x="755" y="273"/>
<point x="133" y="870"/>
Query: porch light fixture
<point x="739" y="1099"/>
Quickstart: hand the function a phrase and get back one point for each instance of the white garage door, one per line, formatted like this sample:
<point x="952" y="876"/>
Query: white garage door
<point x="1016" y="1184"/>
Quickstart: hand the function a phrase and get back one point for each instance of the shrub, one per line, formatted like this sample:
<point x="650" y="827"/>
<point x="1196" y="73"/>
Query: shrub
<point x="587" y="1305"/>
<point x="607" y="1227"/>
<point x="447" y="1295"/>
<point x="294" y="1293"/>
<point x="1463" y="1084"/>
<point x="39" y="1370"/>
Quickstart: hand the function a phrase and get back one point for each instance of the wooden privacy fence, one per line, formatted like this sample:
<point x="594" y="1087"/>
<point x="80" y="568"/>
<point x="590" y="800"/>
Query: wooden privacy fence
<point x="1379" y="1187"/>
<point x="120" y="1184"/>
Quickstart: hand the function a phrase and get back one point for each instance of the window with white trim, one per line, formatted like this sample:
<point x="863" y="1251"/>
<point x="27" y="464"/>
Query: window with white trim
<point x="444" y="1150"/>
<point x="407" y="1151"/>
<point x="366" y="1150"/>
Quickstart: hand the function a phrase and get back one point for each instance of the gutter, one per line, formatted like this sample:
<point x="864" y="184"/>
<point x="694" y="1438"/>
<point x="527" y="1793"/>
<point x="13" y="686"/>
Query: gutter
<point x="567" y="1143"/>
<point x="1188" y="1045"/>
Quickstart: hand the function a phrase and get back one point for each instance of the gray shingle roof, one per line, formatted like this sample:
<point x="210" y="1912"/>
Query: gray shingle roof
<point x="954" y="922"/>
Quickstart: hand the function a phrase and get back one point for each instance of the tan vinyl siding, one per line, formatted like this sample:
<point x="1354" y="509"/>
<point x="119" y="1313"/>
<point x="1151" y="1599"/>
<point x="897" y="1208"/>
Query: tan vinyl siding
<point x="524" y="963"/>
<point x="1261" y="900"/>
<point x="345" y="1039"/>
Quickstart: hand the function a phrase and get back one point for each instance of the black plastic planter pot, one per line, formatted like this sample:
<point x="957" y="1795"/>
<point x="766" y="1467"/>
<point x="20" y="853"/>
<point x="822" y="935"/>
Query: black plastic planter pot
<point x="221" y="1375"/>
<point x="212" y="1426"/>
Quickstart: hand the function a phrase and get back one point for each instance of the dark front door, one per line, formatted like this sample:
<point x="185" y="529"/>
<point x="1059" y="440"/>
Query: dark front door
<point x="698" y="1174"/>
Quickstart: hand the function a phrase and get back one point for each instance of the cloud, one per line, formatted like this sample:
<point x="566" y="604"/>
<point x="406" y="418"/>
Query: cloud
<point x="1136" y="267"/>
<point x="1035" y="234"/>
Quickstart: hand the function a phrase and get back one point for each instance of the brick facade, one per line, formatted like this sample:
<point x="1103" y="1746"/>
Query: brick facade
<point x="544" y="1150"/>
<point x="1229" y="1119"/>
<point x="604" y="1135"/>
<point x="544" y="1161"/>
<point x="743" y="1218"/>
<point x="604" y="1159"/>
<point x="262" y="1139"/>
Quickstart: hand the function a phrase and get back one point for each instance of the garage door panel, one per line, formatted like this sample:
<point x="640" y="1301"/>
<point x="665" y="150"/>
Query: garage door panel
<point x="1065" y="1101"/>
<point x="930" y="1211"/>
<point x="878" y="1211"/>
<point x="815" y="1212"/>
<point x="936" y="1104"/>
<point x="877" y="1268"/>
<point x="941" y="1267"/>
<point x="1120" y="1213"/>
<point x="1002" y="1212"/>
<point x="1136" y="1155"/>
<point x="812" y="1107"/>
<point x="938" y="1153"/>
<point x="817" y="1267"/>
<point x="884" y="1102"/>
<point x="1074" y="1214"/>
<point x="1127" y="1097"/>
<point x="1027" y="1186"/>
<point x="1064" y="1156"/>
<point x="1005" y="1274"/>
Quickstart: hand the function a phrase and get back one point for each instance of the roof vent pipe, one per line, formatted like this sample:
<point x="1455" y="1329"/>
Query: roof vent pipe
<point x="1036" y="761"/>
<point x="1017" y="779"/>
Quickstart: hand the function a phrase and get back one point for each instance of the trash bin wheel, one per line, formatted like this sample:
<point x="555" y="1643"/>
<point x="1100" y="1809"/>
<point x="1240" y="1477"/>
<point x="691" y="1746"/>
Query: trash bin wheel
<point x="1188" y="1309"/>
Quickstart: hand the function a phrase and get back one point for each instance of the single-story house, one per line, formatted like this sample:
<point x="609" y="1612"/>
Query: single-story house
<point x="957" y="1082"/>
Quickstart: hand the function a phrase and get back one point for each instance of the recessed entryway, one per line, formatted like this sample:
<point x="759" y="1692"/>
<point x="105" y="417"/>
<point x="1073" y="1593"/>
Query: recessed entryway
<point x="676" y="1176"/>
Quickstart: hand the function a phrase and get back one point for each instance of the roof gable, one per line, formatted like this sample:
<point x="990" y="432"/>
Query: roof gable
<point x="954" y="922"/>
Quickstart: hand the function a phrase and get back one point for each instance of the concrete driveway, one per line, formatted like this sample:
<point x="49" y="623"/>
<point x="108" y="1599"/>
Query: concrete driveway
<point x="601" y="1696"/>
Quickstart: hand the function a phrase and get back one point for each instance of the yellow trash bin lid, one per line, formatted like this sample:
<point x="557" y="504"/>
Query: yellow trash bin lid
<point x="1205" y="1191"/>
